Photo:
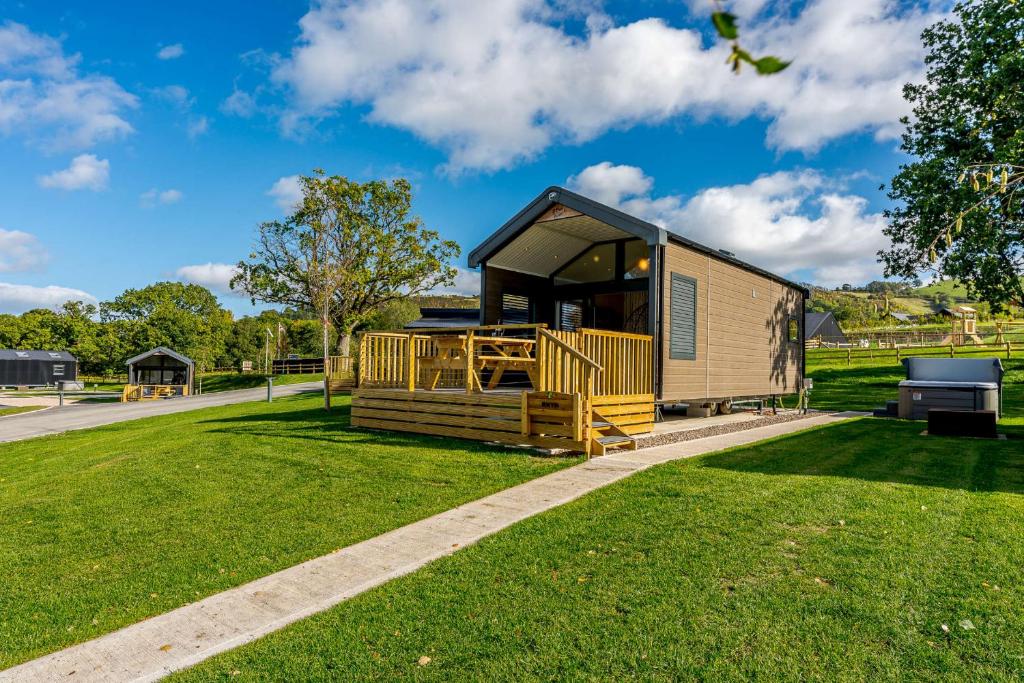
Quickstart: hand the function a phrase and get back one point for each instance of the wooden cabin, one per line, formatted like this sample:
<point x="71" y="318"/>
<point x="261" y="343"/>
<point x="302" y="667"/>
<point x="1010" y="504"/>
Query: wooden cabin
<point x="723" y="329"/>
<point x="589" y="317"/>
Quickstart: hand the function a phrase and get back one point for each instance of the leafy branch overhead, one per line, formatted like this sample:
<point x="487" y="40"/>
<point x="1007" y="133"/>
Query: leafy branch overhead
<point x="957" y="205"/>
<point x="991" y="180"/>
<point x="728" y="29"/>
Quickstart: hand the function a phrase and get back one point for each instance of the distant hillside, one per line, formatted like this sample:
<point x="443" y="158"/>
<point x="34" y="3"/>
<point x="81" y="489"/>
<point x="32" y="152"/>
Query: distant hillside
<point x="952" y="289"/>
<point x="866" y="307"/>
<point x="447" y="301"/>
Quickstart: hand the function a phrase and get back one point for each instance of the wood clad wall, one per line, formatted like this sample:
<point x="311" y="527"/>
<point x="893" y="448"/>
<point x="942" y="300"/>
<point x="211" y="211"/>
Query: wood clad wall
<point x="498" y="280"/>
<point x="742" y="328"/>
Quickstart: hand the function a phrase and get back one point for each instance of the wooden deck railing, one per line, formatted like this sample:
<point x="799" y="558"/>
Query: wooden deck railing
<point x="590" y="362"/>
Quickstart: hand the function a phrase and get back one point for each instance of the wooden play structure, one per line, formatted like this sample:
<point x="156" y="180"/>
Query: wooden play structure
<point x="158" y="374"/>
<point x="585" y="390"/>
<point x="964" y="328"/>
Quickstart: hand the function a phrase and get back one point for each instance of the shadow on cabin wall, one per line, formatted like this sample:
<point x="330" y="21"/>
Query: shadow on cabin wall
<point x="786" y="354"/>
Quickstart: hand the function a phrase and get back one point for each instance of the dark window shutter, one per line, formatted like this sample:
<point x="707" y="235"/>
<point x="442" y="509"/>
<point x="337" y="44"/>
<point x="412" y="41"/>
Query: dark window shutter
<point x="683" y="318"/>
<point x="515" y="309"/>
<point x="570" y="315"/>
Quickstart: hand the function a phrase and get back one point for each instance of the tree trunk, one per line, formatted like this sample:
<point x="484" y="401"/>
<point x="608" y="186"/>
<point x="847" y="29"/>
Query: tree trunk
<point x="327" y="361"/>
<point x="345" y="343"/>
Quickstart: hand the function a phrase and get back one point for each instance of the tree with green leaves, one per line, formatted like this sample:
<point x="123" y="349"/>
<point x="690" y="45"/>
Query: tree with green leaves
<point x="185" y="317"/>
<point x="958" y="211"/>
<point x="380" y="251"/>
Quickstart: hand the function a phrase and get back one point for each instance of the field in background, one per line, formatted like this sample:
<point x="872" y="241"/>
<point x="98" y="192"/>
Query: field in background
<point x="872" y="379"/>
<point x="211" y="382"/>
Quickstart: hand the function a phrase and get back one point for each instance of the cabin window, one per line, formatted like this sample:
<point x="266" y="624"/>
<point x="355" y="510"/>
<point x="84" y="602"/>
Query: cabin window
<point x="515" y="309"/>
<point x="793" y="330"/>
<point x="683" y="318"/>
<point x="637" y="260"/>
<point x="570" y="315"/>
<point x="596" y="264"/>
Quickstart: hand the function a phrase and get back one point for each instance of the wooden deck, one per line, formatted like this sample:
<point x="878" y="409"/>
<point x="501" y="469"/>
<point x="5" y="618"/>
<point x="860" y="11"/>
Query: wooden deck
<point x="584" y="391"/>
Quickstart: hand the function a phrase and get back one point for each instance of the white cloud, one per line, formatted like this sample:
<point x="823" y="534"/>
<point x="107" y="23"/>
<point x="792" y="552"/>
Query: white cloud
<point x="609" y="184"/>
<point x="239" y="103"/>
<point x="86" y="172"/>
<point x="20" y="251"/>
<point x="467" y="283"/>
<point x="152" y="197"/>
<point x="498" y="82"/>
<point x="287" y="193"/>
<point x="791" y="222"/>
<point x="170" y="51"/>
<point x="198" y="126"/>
<point x="44" y="99"/>
<point x="214" y="276"/>
<point x="177" y="95"/>
<point x="20" y="298"/>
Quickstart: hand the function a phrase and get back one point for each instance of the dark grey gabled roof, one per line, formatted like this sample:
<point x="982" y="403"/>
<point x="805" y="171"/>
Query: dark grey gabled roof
<point x="160" y="351"/>
<point x="14" y="354"/>
<point x="812" y="321"/>
<point x="632" y="225"/>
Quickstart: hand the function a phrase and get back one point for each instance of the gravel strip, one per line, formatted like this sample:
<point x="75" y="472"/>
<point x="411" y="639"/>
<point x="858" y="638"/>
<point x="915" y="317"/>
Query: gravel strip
<point x="649" y="440"/>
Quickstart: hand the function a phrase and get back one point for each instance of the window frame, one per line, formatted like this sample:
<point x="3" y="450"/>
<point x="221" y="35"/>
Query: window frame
<point x="793" y="329"/>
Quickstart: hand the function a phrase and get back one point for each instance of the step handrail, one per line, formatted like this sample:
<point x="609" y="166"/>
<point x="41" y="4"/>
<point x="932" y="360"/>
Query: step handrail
<point x="578" y="355"/>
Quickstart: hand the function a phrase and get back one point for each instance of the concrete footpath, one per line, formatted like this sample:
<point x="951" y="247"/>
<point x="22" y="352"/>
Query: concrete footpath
<point x="153" y="648"/>
<point x="85" y="415"/>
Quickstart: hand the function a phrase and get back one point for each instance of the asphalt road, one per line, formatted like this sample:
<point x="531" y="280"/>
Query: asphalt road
<point x="85" y="415"/>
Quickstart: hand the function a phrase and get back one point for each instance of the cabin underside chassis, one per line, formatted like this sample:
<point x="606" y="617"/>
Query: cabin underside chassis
<point x="723" y="405"/>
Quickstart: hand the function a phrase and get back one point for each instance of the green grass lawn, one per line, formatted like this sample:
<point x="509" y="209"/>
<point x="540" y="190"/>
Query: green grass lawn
<point x="15" y="410"/>
<point x="229" y="381"/>
<point x="835" y="554"/>
<point x="104" y="527"/>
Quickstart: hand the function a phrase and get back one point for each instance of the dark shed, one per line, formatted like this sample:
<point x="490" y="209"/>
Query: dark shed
<point x="823" y="326"/>
<point x="36" y="368"/>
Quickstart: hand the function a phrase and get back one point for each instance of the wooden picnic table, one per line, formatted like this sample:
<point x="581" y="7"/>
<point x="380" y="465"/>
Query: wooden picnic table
<point x="497" y="353"/>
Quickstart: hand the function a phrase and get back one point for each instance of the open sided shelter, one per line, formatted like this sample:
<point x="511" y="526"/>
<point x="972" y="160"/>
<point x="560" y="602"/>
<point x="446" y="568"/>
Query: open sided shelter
<point x="161" y="367"/>
<point x="36" y="368"/>
<point x="723" y="329"/>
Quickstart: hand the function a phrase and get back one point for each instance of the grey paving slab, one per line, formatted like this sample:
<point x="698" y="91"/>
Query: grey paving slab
<point x="84" y="415"/>
<point x="153" y="648"/>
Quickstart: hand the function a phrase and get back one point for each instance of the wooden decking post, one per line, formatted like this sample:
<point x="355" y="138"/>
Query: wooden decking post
<point x="410" y="370"/>
<point x="525" y="427"/>
<point x="470" y="374"/>
<point x="577" y="415"/>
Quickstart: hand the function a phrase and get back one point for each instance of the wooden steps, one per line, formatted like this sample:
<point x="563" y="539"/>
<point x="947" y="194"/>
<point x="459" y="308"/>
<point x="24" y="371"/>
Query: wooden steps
<point x="605" y="435"/>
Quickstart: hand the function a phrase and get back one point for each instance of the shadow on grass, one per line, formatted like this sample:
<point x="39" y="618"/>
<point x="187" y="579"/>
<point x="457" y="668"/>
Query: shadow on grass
<point x="334" y="426"/>
<point x="888" y="451"/>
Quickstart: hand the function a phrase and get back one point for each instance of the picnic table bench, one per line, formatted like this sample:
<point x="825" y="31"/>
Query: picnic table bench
<point x="454" y="352"/>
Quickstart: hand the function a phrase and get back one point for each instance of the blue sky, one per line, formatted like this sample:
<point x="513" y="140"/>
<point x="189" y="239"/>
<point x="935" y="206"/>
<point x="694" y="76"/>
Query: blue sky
<point x="142" y="142"/>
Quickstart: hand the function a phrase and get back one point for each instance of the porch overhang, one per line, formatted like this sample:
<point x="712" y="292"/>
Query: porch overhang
<point x="554" y="228"/>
